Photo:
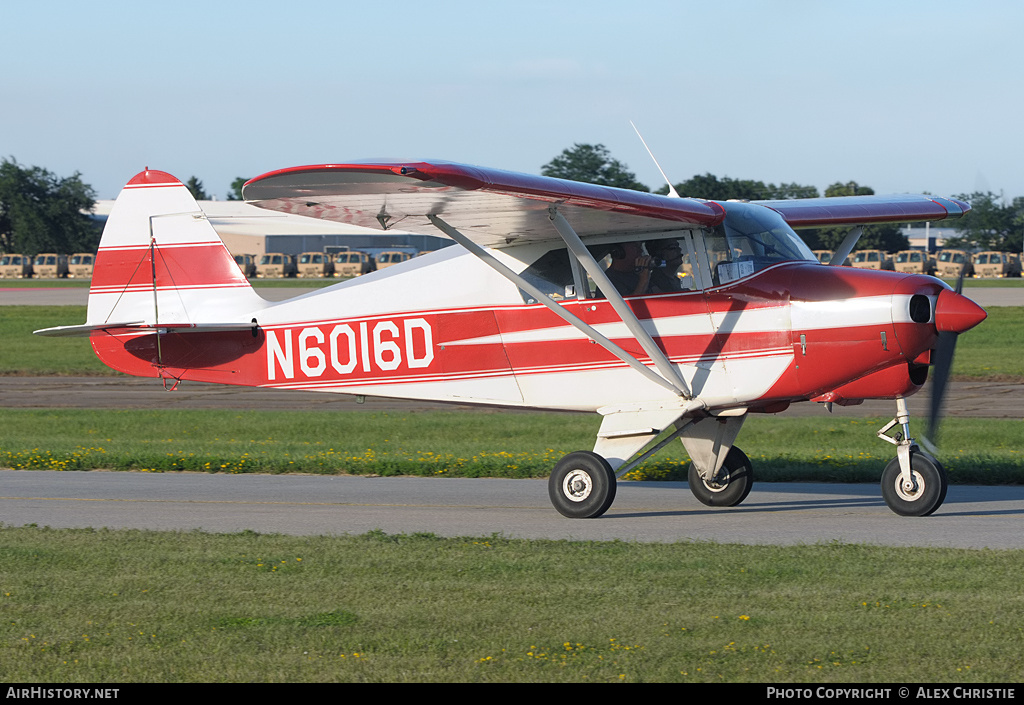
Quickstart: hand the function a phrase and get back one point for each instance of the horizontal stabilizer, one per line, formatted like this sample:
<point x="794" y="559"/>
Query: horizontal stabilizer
<point x="141" y="327"/>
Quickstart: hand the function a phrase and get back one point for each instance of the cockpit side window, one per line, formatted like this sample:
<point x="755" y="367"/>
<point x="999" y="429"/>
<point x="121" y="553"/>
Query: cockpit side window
<point x="552" y="273"/>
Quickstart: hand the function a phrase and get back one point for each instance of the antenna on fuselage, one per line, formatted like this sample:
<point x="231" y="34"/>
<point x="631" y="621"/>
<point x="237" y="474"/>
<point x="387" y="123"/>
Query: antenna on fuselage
<point x="671" y="189"/>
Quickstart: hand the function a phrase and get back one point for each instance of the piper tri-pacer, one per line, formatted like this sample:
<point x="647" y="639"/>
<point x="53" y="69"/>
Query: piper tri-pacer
<point x="523" y="313"/>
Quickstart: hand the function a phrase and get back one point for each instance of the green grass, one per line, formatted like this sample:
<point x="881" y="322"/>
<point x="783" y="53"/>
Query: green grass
<point x="988" y="352"/>
<point x="460" y="444"/>
<point x="87" y="606"/>
<point x="44" y="283"/>
<point x="992" y="350"/>
<point x="1010" y="283"/>
<point x="24" y="354"/>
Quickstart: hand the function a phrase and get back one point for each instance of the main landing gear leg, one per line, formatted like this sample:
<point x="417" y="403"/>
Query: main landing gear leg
<point x="913" y="483"/>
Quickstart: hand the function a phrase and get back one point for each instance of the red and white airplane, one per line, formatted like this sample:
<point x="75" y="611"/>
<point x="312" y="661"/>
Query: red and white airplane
<point x="524" y="314"/>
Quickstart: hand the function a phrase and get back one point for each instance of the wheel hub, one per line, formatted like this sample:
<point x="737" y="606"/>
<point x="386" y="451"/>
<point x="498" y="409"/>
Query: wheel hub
<point x="910" y="491"/>
<point x="577" y="485"/>
<point x="719" y="482"/>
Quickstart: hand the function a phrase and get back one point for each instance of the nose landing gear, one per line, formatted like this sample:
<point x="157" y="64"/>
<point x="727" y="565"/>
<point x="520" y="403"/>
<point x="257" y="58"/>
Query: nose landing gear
<point x="913" y="483"/>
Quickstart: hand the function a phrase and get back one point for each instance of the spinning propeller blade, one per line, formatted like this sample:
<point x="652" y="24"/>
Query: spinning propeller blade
<point x="945" y="346"/>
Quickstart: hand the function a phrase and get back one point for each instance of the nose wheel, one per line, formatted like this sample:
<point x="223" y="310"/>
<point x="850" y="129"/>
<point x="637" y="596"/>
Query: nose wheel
<point x="920" y="494"/>
<point x="913" y="483"/>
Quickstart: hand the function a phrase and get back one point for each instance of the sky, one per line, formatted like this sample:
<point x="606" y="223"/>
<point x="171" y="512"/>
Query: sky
<point x="904" y="97"/>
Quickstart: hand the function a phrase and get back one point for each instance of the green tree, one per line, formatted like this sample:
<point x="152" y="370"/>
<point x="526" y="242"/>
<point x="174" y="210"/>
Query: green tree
<point x="850" y="188"/>
<point x="236" y="189"/>
<point x="40" y="212"/>
<point x="991" y="223"/>
<point x="712" y="188"/>
<point x="592" y="164"/>
<point x="195" y="187"/>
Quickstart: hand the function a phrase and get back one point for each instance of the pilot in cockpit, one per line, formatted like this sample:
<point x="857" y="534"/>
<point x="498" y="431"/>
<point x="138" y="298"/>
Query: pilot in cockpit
<point x="630" y="270"/>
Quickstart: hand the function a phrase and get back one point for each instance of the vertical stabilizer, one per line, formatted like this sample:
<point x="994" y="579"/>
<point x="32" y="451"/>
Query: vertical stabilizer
<point x="160" y="262"/>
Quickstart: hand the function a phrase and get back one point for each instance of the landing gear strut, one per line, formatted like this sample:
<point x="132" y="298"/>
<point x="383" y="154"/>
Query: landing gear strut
<point x="913" y="483"/>
<point x="729" y="486"/>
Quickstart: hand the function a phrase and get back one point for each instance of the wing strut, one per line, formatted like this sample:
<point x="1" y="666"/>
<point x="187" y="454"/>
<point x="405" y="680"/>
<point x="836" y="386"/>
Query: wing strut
<point x="489" y="259"/>
<point x="849" y="242"/>
<point x="576" y="246"/>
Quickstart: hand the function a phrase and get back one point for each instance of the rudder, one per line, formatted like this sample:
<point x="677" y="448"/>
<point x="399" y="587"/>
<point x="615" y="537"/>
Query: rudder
<point x="160" y="262"/>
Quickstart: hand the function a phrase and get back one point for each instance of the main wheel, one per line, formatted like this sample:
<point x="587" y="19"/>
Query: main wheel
<point x="582" y="485"/>
<point x="730" y="487"/>
<point x="927" y="493"/>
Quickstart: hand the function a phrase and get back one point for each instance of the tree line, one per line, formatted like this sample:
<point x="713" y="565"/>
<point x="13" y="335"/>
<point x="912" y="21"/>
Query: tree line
<point x="41" y="212"/>
<point x="992" y="224"/>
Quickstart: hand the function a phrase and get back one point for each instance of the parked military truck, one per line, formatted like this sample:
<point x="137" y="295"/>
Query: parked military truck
<point x="390" y="257"/>
<point x="246" y="264"/>
<point x="949" y="263"/>
<point x="314" y="265"/>
<point x="50" y="265"/>
<point x="914" y="262"/>
<point x="276" y="265"/>
<point x="353" y="263"/>
<point x="871" y="259"/>
<point x="15" y="266"/>
<point x="996" y="264"/>
<point x="80" y="265"/>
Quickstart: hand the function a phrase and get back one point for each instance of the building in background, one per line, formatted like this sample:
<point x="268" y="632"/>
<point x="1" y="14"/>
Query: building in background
<point x="248" y="230"/>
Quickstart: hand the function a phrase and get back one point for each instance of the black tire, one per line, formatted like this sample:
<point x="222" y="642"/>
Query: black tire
<point x="582" y="485"/>
<point x="931" y="488"/>
<point x="730" y="487"/>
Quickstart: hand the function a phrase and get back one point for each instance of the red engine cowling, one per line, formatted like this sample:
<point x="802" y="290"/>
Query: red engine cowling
<point x="892" y="382"/>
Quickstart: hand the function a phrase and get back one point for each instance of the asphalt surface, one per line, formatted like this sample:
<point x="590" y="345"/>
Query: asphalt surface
<point x="774" y="513"/>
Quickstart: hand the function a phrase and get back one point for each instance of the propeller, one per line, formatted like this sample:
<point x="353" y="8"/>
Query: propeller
<point x="954" y="314"/>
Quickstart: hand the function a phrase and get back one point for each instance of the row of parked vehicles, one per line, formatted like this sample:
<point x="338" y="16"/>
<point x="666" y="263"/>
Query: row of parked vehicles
<point x="944" y="263"/>
<point x="47" y="265"/>
<point x="316" y="265"/>
<point x="50" y="265"/>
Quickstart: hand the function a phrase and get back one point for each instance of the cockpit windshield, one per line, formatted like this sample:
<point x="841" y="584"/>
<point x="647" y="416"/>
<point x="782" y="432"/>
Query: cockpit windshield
<point x="750" y="239"/>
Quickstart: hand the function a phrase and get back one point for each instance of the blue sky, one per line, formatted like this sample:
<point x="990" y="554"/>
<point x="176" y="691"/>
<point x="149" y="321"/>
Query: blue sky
<point x="901" y="96"/>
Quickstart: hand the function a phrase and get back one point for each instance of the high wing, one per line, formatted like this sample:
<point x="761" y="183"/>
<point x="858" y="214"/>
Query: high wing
<point x="497" y="208"/>
<point x="494" y="208"/>
<point x="864" y="210"/>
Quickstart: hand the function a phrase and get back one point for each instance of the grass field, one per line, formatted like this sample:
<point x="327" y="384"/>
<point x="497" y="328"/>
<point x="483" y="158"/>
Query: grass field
<point x="82" y="606"/>
<point x="85" y="606"/>
<point x="990" y="351"/>
<point x="460" y="444"/>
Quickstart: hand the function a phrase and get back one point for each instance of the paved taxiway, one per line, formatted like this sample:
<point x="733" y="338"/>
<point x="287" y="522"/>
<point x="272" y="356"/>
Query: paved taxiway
<point x="785" y="514"/>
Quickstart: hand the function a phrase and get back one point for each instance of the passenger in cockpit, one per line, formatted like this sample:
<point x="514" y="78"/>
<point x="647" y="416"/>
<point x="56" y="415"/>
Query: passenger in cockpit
<point x="669" y="255"/>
